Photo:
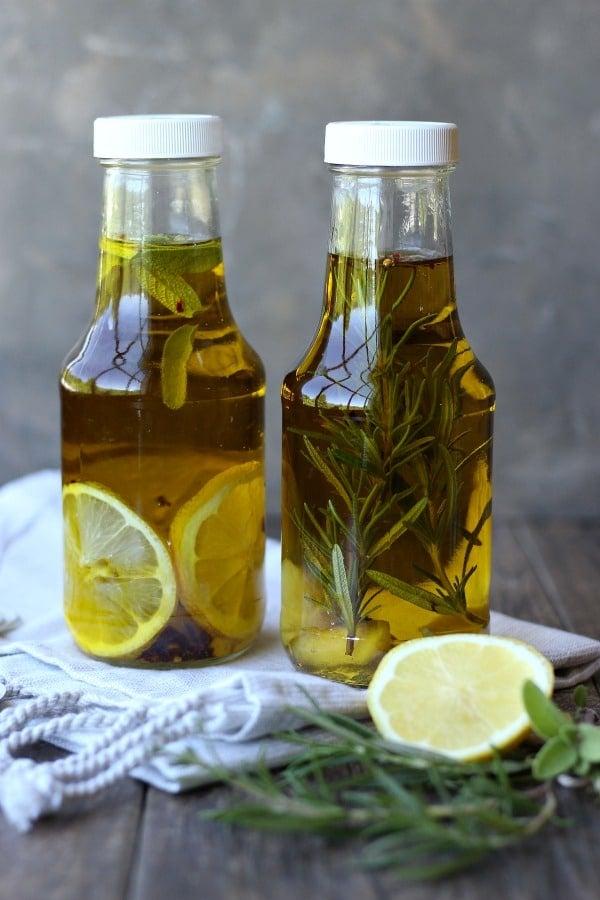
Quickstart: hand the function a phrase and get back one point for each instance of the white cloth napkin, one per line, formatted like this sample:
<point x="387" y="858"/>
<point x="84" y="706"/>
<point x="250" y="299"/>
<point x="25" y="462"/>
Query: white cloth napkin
<point x="126" y="720"/>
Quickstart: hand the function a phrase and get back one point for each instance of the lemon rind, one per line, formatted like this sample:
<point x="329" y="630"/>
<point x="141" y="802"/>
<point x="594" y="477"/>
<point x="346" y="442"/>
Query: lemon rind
<point x="184" y="529"/>
<point x="542" y="675"/>
<point x="164" y="573"/>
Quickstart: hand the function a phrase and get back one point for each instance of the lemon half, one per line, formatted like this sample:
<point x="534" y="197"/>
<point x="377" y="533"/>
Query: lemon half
<point x="120" y="587"/>
<point x="456" y="694"/>
<point x="219" y="542"/>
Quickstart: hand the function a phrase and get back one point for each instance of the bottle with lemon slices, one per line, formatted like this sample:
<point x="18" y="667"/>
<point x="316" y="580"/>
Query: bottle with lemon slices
<point x="162" y="417"/>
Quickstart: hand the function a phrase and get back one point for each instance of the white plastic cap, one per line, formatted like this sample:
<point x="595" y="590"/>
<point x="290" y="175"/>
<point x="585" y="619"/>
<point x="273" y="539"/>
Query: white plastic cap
<point x="391" y="143"/>
<point x="157" y="137"/>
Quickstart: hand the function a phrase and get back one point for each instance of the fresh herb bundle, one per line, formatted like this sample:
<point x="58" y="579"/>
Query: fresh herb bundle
<point x="422" y="815"/>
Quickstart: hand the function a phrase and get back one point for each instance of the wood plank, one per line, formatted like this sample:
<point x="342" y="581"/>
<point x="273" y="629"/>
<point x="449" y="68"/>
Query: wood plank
<point x="83" y="851"/>
<point x="565" y="555"/>
<point x="181" y="855"/>
<point x="516" y="588"/>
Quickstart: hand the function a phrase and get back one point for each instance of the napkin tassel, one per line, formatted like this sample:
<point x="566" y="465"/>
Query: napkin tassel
<point x="29" y="790"/>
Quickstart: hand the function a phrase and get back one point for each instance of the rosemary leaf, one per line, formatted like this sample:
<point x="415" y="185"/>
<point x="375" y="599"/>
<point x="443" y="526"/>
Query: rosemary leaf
<point x="473" y="453"/>
<point x="341" y="586"/>
<point x="413" y="594"/>
<point x="399" y="528"/>
<point x="325" y="470"/>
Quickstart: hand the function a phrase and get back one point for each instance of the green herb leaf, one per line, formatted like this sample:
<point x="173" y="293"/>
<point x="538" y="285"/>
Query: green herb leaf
<point x="325" y="470"/>
<point x="341" y="586"/>
<point x="580" y="696"/>
<point x="169" y="289"/>
<point x="183" y="258"/>
<point x="399" y="528"/>
<point x="589" y="742"/>
<point x="173" y="370"/>
<point x="545" y="717"/>
<point x="555" y="757"/>
<point x="466" y="459"/>
<point x="420" y="597"/>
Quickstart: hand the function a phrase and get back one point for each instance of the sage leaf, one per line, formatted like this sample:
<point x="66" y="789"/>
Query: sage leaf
<point x="170" y="290"/>
<point x="191" y="259"/>
<point x="173" y="370"/>
<point x="341" y="587"/>
<point x="589" y="742"/>
<point x="580" y="696"/>
<point x="545" y="717"/>
<point x="582" y="768"/>
<point x="555" y="757"/>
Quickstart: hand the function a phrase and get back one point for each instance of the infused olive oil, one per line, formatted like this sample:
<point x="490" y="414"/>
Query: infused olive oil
<point x="387" y="427"/>
<point x="162" y="428"/>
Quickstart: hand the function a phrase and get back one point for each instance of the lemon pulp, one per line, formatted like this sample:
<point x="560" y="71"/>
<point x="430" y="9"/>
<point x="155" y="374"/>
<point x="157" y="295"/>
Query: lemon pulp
<point x="456" y="694"/>
<point x="120" y="587"/>
<point x="218" y="544"/>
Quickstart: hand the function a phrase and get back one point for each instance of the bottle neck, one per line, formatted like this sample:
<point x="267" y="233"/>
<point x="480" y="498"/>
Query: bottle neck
<point x="380" y="212"/>
<point x="160" y="246"/>
<point x="169" y="199"/>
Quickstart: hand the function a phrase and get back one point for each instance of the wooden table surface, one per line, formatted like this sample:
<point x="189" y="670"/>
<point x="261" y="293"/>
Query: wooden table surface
<point x="136" y="842"/>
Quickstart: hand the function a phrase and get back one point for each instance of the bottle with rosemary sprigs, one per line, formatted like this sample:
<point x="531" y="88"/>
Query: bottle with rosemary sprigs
<point x="387" y="420"/>
<point x="162" y="417"/>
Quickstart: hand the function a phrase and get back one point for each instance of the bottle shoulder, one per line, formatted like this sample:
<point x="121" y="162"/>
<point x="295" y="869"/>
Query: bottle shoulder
<point x="347" y="380"/>
<point x="130" y="354"/>
<point x="162" y="317"/>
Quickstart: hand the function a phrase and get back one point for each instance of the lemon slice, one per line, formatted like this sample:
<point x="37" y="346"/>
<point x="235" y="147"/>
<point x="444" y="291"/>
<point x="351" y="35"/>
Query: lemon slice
<point x="218" y="543"/>
<point x="456" y="694"/>
<point x="120" y="587"/>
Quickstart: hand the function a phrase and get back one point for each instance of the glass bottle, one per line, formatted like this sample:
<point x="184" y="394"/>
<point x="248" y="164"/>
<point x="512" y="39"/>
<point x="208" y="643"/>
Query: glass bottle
<point x="162" y="416"/>
<point x="387" y="420"/>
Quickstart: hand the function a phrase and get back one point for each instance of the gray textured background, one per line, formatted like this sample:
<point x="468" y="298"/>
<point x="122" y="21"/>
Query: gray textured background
<point x="520" y="77"/>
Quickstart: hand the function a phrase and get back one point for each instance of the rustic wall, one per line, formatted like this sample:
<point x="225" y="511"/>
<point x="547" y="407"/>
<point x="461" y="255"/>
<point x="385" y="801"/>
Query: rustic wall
<point x="521" y="80"/>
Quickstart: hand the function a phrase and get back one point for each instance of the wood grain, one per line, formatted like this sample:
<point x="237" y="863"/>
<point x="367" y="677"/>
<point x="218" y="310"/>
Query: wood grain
<point x="84" y="851"/>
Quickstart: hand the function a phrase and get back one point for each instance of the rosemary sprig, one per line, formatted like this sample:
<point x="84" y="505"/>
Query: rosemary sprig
<point x="395" y="460"/>
<point x="422" y="815"/>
